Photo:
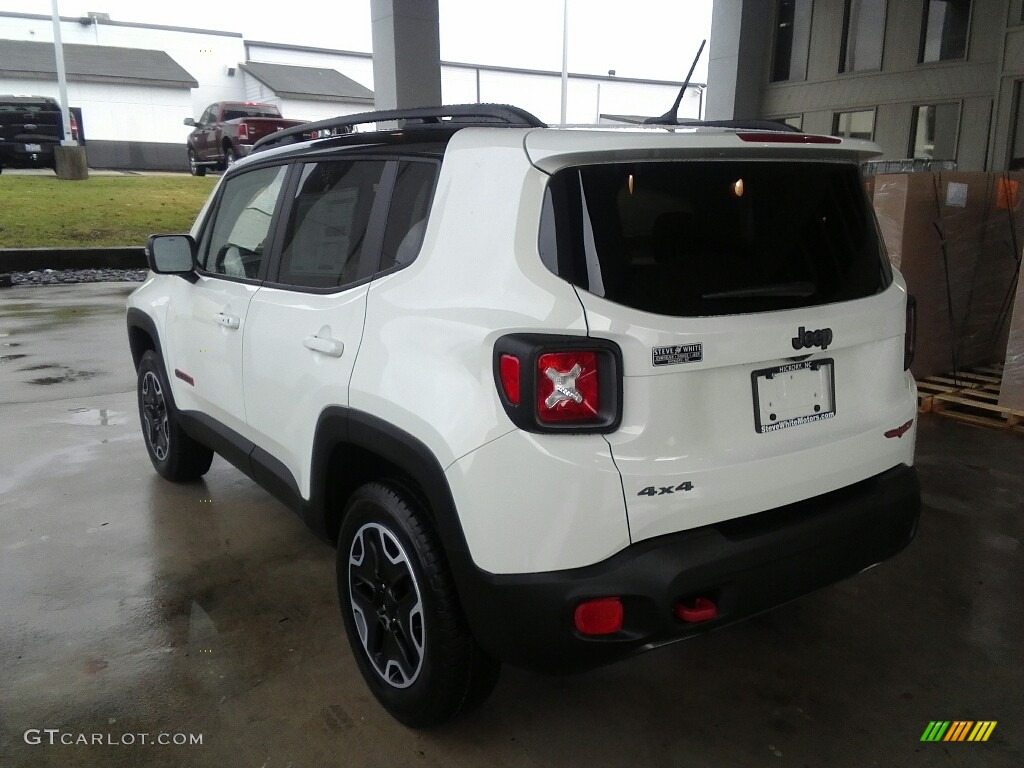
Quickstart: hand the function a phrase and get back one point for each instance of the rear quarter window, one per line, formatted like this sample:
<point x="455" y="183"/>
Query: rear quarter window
<point x="701" y="238"/>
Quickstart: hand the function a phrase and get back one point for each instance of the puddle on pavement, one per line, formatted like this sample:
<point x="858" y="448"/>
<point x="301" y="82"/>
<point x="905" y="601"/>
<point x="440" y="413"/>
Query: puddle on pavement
<point x="67" y="375"/>
<point x="43" y="317"/>
<point x="11" y="358"/>
<point x="96" y="417"/>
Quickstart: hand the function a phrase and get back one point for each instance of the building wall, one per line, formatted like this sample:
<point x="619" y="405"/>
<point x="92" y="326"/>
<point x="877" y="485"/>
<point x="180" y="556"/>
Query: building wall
<point x="142" y="126"/>
<point x="983" y="84"/>
<point x="537" y="92"/>
<point x="206" y="55"/>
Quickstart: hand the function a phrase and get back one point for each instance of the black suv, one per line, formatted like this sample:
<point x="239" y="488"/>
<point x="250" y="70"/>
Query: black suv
<point x="30" y="127"/>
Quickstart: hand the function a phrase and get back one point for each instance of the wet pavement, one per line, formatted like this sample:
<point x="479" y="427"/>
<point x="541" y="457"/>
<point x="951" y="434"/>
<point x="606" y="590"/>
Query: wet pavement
<point x="132" y="606"/>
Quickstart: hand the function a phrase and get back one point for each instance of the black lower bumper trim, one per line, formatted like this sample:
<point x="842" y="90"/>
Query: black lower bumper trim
<point x="745" y="566"/>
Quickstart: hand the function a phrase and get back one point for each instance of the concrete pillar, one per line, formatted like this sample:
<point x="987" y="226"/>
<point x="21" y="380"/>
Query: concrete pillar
<point x="406" y="53"/>
<point x="741" y="31"/>
<point x="71" y="163"/>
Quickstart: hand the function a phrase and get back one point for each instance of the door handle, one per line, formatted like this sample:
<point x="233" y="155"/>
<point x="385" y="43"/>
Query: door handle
<point x="228" y="321"/>
<point x="325" y="346"/>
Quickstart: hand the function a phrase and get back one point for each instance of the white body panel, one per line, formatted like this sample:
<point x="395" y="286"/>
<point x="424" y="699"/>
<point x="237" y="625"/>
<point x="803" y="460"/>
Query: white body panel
<point x="206" y="322"/>
<point x="297" y="358"/>
<point x="532" y="503"/>
<point x="426" y="366"/>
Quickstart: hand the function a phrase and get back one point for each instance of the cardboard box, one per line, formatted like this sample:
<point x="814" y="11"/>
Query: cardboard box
<point x="955" y="238"/>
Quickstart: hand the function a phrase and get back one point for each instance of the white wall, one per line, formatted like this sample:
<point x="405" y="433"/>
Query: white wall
<point x="119" y="112"/>
<point x="299" y="109"/>
<point x="204" y="56"/>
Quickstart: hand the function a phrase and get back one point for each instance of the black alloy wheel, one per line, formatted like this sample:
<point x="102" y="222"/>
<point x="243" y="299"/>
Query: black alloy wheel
<point x="401" y="611"/>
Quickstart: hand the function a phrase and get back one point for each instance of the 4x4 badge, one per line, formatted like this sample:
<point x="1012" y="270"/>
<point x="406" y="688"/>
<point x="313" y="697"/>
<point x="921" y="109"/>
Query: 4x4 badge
<point x="819" y="338"/>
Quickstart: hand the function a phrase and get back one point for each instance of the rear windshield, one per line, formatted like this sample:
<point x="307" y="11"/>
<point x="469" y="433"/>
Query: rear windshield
<point x="239" y="111"/>
<point x="692" y="239"/>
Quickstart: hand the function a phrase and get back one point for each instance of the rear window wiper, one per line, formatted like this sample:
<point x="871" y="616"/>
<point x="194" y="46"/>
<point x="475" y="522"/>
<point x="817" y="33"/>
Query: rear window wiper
<point x="800" y="290"/>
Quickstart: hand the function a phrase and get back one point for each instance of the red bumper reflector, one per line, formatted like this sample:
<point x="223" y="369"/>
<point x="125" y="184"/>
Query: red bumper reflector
<point x="696" y="610"/>
<point x="901" y="430"/>
<point x="599" y="617"/>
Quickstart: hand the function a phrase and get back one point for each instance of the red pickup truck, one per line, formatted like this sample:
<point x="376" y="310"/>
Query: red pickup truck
<point x="227" y="130"/>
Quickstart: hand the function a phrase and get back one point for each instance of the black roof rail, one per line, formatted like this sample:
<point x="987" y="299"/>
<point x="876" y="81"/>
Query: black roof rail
<point x="462" y="115"/>
<point x="752" y="125"/>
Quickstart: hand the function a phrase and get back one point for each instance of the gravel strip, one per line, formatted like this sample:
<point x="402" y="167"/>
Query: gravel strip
<point x="67" y="276"/>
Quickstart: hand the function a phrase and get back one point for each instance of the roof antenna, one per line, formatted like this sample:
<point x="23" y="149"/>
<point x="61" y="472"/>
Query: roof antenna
<point x="672" y="116"/>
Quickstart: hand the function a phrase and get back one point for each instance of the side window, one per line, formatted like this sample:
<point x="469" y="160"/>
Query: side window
<point x="324" y="246"/>
<point x="234" y="245"/>
<point x="407" y="216"/>
<point x="209" y="115"/>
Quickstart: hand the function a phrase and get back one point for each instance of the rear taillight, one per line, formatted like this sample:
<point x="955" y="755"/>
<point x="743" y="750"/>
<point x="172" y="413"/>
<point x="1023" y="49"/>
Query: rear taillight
<point x="910" y="334"/>
<point x="567" y="386"/>
<point x="559" y="383"/>
<point x="509" y="373"/>
<point x="74" y="127"/>
<point x="243" y="132"/>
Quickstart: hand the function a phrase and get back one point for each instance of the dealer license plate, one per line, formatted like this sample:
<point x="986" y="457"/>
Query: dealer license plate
<point x="794" y="394"/>
<point x="33" y="147"/>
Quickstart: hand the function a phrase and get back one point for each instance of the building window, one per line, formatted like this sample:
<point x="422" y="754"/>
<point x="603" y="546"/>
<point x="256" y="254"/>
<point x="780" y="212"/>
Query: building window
<point x="863" y="33"/>
<point x="1016" y="161"/>
<point x="792" y="37"/>
<point x="854" y="125"/>
<point x="933" y="132"/>
<point x="944" y="32"/>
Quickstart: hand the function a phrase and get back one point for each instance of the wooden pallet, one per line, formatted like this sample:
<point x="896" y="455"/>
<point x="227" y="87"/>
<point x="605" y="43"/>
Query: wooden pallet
<point x="971" y="397"/>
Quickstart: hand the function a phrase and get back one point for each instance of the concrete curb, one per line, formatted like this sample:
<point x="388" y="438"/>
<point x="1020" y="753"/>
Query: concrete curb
<point x="38" y="259"/>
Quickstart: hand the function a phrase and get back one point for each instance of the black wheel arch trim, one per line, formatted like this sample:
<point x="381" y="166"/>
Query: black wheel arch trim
<point x="139" y="321"/>
<point x="339" y="426"/>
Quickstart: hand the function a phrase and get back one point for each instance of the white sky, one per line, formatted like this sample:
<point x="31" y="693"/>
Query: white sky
<point x="637" y="38"/>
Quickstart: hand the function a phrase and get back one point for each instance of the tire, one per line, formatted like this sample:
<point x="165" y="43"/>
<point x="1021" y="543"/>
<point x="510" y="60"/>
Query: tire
<point x="193" y="167"/>
<point x="402" y="614"/>
<point x="229" y="156"/>
<point x="175" y="455"/>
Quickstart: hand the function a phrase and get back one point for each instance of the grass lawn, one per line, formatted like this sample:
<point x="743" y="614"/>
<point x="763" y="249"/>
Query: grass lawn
<point x="40" y="211"/>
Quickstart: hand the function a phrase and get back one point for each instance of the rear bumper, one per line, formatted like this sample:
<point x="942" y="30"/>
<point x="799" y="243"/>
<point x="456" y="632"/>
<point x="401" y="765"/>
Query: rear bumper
<point x="15" y="155"/>
<point x="745" y="566"/>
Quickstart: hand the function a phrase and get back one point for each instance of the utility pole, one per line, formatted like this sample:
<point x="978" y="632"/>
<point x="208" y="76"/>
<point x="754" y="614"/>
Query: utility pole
<point x="62" y="78"/>
<point x="69" y="158"/>
<point x="565" y="57"/>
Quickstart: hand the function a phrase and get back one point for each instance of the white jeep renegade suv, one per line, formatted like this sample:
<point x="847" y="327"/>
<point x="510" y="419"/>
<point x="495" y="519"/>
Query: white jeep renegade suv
<point x="560" y="396"/>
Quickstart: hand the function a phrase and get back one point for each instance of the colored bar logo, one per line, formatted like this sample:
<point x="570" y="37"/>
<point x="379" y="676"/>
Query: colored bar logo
<point x="958" y="730"/>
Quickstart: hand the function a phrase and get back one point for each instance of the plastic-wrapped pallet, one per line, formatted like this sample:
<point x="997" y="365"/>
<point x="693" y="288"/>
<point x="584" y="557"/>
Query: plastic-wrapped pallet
<point x="1011" y="392"/>
<point x="955" y="237"/>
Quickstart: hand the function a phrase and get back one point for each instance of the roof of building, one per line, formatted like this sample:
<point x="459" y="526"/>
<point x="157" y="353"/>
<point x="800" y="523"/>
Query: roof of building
<point x="312" y="83"/>
<point x="104" y="18"/>
<point x="26" y="59"/>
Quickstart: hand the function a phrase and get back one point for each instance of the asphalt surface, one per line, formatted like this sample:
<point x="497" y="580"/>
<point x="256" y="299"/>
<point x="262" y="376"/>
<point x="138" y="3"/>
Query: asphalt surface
<point x="132" y="606"/>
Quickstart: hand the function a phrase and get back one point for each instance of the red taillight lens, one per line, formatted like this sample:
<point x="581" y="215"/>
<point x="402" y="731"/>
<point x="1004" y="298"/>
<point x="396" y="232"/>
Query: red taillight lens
<point x="567" y="386"/>
<point x="910" y="335"/>
<point x="599" y="617"/>
<point x="243" y="132"/>
<point x="509" y="371"/>
<point x="74" y="127"/>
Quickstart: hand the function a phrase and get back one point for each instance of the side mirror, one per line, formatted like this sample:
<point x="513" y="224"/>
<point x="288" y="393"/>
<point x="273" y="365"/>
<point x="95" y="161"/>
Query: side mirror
<point x="190" y="122"/>
<point x="172" y="255"/>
